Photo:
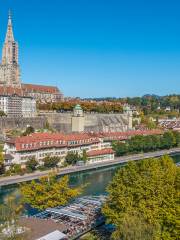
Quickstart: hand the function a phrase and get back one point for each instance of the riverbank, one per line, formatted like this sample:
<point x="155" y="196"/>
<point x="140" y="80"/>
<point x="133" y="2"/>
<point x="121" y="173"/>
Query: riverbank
<point x="4" y="181"/>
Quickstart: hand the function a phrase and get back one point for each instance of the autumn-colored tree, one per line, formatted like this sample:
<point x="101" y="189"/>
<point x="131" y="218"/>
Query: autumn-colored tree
<point x="90" y="236"/>
<point x="143" y="200"/>
<point x="48" y="192"/>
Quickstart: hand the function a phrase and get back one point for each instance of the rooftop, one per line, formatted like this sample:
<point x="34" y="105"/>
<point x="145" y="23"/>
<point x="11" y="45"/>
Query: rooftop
<point x="100" y="152"/>
<point x="38" y="227"/>
<point x="40" y="88"/>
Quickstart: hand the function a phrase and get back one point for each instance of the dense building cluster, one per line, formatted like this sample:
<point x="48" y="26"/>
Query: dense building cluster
<point x="173" y="124"/>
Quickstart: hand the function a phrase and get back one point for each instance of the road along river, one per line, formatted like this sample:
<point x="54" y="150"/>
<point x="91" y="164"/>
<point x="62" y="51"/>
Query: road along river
<point x="97" y="180"/>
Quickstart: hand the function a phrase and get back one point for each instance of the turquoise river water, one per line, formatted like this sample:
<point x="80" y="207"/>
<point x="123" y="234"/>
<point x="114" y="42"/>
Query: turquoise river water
<point x="97" y="181"/>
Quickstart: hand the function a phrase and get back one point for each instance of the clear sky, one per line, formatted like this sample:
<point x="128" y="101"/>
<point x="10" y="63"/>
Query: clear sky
<point x="96" y="48"/>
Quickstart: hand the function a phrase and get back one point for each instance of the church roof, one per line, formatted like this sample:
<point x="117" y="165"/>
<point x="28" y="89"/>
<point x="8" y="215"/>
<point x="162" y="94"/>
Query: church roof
<point x="9" y="91"/>
<point x="40" y="88"/>
<point x="27" y="88"/>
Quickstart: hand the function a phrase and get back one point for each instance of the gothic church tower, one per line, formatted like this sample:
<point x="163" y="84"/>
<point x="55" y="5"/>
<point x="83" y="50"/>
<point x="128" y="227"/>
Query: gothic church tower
<point x="9" y="69"/>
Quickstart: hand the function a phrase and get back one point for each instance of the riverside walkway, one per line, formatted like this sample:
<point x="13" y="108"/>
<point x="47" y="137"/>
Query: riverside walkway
<point x="4" y="181"/>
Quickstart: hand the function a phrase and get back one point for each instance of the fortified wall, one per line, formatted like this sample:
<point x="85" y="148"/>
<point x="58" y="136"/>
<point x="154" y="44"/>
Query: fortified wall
<point x="21" y="123"/>
<point x="96" y="122"/>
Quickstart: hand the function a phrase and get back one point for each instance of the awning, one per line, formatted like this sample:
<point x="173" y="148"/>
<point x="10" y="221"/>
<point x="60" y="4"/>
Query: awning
<point x="56" y="235"/>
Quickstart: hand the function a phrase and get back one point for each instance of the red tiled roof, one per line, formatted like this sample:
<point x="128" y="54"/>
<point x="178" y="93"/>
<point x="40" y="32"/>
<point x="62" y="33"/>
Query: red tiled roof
<point x="40" y="88"/>
<point x="10" y="91"/>
<point x="125" y="135"/>
<point x="47" y="140"/>
<point x="100" y="152"/>
<point x="26" y="88"/>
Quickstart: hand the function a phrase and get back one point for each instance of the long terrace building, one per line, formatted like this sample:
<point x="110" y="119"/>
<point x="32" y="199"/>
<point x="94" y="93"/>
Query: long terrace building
<point x="40" y="145"/>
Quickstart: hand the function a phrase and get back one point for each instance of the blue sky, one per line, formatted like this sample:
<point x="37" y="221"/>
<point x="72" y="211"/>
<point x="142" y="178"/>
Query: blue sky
<point x="96" y="48"/>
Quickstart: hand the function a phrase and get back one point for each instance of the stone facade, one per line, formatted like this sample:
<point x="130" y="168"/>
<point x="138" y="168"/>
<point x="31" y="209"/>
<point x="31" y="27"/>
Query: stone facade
<point x="95" y="122"/>
<point x="9" y="69"/>
<point x="21" y="123"/>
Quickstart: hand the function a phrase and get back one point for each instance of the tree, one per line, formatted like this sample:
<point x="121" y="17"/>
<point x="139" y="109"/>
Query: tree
<point x="84" y="156"/>
<point x="168" y="140"/>
<point x="72" y="158"/>
<point x="2" y="167"/>
<point x="16" y="169"/>
<point x="51" y="162"/>
<point x="28" y="131"/>
<point x="48" y="192"/>
<point x="2" y="114"/>
<point x="31" y="164"/>
<point x="90" y="236"/>
<point x="143" y="201"/>
<point x="120" y="148"/>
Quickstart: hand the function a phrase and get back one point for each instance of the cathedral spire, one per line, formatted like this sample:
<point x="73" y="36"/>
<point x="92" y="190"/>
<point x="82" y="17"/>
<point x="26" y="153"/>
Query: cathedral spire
<point x="9" y="33"/>
<point x="9" y="69"/>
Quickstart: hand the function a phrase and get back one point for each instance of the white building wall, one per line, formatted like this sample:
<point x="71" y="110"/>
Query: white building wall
<point x="4" y="104"/>
<point x="23" y="156"/>
<point x="18" y="106"/>
<point x="28" y="107"/>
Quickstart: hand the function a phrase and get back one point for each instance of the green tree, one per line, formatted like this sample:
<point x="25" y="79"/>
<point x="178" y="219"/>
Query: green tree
<point x="84" y="156"/>
<point x="31" y="165"/>
<point x="48" y="192"/>
<point x="143" y="201"/>
<point x="51" y="162"/>
<point x="2" y="167"/>
<point x="177" y="136"/>
<point x="168" y="140"/>
<point x="120" y="148"/>
<point x="151" y="124"/>
<point x="90" y="236"/>
<point x="72" y="158"/>
<point x="16" y="169"/>
<point x="2" y="114"/>
<point x="28" y="131"/>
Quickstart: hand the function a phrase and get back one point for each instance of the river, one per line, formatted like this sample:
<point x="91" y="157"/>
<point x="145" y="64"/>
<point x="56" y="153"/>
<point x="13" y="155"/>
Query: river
<point x="96" y="180"/>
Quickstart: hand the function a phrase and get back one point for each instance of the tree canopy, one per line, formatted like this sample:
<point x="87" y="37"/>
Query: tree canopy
<point x="147" y="143"/>
<point x="48" y="192"/>
<point x="143" y="200"/>
<point x="2" y="167"/>
<point x="28" y="131"/>
<point x="72" y="158"/>
<point x="31" y="164"/>
<point x="51" y="161"/>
